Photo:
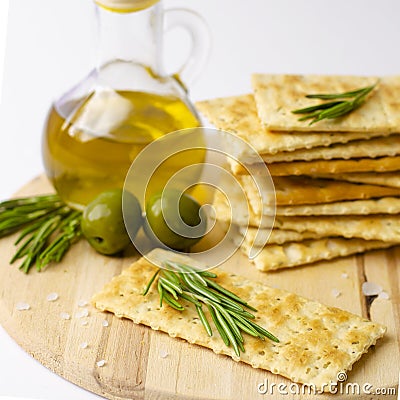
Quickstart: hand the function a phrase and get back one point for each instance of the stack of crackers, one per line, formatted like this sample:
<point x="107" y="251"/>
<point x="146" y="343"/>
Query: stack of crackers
<point x="336" y="181"/>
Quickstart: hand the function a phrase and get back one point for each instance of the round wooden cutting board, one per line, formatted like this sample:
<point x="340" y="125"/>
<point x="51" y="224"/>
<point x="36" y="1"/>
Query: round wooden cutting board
<point x="143" y="364"/>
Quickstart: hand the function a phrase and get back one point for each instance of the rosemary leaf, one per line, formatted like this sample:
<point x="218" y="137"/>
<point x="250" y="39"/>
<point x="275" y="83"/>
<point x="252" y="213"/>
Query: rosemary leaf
<point x="318" y="107"/>
<point x="171" y="276"/>
<point x="225" y="327"/>
<point x="235" y="312"/>
<point x="172" y="284"/>
<point x="38" y="243"/>
<point x="221" y="332"/>
<point x="228" y="302"/>
<point x="197" y="288"/>
<point x="47" y="229"/>
<point x="204" y="320"/>
<point x="248" y="329"/>
<point x="226" y="292"/>
<point x="227" y="310"/>
<point x="148" y="286"/>
<point x="208" y="274"/>
<point x="264" y="332"/>
<point x="230" y="321"/>
<point x="16" y="203"/>
<point x="172" y="302"/>
<point x="185" y="268"/>
<point x="350" y="94"/>
<point x="69" y="233"/>
<point x="160" y="292"/>
<point x="164" y="283"/>
<point x="189" y="297"/>
<point x="343" y="104"/>
<point x="22" y="251"/>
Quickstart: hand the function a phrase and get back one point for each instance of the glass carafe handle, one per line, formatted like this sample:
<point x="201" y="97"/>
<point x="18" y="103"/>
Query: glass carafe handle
<point x="200" y="36"/>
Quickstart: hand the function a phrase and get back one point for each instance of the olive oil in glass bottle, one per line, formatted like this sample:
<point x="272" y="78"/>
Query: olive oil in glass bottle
<point x="95" y="131"/>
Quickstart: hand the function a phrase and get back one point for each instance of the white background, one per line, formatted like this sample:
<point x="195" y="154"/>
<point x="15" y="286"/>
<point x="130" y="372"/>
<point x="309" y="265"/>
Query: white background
<point x="50" y="47"/>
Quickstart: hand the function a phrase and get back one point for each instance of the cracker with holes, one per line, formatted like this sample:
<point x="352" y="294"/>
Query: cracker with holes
<point x="306" y="190"/>
<point x="383" y="205"/>
<point x="293" y="254"/>
<point x="316" y="342"/>
<point x="278" y="95"/>
<point x="238" y="115"/>
<point x="390" y="179"/>
<point x="372" y="148"/>
<point x="315" y="167"/>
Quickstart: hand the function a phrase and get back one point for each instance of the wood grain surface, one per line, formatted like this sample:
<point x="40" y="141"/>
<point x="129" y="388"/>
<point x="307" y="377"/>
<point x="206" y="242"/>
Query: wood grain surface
<point x="144" y="364"/>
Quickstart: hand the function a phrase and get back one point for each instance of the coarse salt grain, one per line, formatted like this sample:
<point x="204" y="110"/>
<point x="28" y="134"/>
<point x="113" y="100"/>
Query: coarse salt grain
<point x="52" y="296"/>
<point x="164" y="354"/>
<point x="21" y="306"/>
<point x="84" y="345"/>
<point x="82" y="303"/>
<point x="65" y="316"/>
<point x="82" y="313"/>
<point x="371" y="289"/>
<point x="101" y="363"/>
<point x="84" y="322"/>
<point x="344" y="275"/>
<point x="383" y="295"/>
<point x="105" y="323"/>
<point x="336" y="293"/>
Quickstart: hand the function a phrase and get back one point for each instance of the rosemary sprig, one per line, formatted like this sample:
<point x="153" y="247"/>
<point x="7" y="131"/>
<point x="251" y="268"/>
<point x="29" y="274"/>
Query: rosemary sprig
<point x="227" y="310"/>
<point x="48" y="228"/>
<point x="69" y="232"/>
<point x="336" y="108"/>
<point x="18" y="213"/>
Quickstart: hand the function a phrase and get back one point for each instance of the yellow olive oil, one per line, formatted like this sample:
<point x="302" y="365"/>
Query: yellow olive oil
<point x="91" y="149"/>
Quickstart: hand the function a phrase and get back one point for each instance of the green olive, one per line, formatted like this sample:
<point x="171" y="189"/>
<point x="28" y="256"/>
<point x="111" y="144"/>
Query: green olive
<point x="177" y="220"/>
<point x="103" y="221"/>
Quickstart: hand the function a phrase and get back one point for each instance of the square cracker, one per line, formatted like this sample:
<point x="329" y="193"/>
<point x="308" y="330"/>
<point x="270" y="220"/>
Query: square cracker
<point x="238" y="115"/>
<point x="304" y="190"/>
<point x="372" y="148"/>
<point x="290" y="220"/>
<point x="314" y="167"/>
<point x="369" y="227"/>
<point x="384" y="205"/>
<point x="383" y="227"/>
<point x="278" y="95"/>
<point x="295" y="254"/>
<point x="316" y="342"/>
<point x="277" y="236"/>
<point x="390" y="179"/>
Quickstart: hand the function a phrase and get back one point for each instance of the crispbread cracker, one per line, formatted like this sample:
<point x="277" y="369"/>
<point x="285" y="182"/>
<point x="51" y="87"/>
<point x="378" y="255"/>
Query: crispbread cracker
<point x="238" y="115"/>
<point x="244" y="216"/>
<point x="377" y="227"/>
<point x="304" y="190"/>
<point x="385" y="205"/>
<point x="390" y="179"/>
<point x="274" y="257"/>
<point x="382" y="164"/>
<point x="249" y="233"/>
<point x="383" y="227"/>
<point x="316" y="342"/>
<point x="278" y="95"/>
<point x="373" y="148"/>
<point x="277" y="236"/>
